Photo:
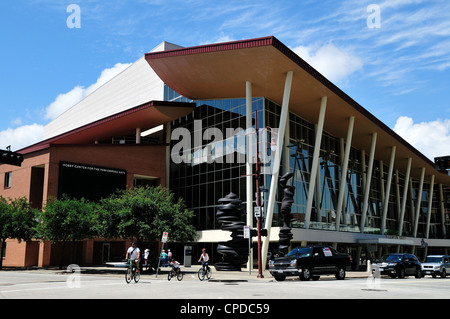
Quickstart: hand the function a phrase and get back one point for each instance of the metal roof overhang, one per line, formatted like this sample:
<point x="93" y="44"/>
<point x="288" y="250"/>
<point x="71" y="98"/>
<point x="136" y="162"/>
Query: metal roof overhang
<point x="221" y="70"/>
<point x="145" y="116"/>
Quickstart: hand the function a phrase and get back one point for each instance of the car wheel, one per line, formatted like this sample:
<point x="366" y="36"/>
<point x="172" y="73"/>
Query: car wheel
<point x="280" y="278"/>
<point x="306" y="274"/>
<point x="418" y="273"/>
<point x="401" y="273"/>
<point x="340" y="274"/>
<point x="444" y="273"/>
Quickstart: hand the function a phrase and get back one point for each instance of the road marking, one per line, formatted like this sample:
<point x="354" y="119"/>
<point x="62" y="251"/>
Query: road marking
<point x="63" y="285"/>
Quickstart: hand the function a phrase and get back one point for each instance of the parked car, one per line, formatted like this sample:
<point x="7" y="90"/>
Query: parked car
<point x="309" y="263"/>
<point x="435" y="265"/>
<point x="399" y="265"/>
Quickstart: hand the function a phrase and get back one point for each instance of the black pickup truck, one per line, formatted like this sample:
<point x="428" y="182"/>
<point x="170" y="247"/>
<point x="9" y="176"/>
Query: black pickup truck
<point x="310" y="262"/>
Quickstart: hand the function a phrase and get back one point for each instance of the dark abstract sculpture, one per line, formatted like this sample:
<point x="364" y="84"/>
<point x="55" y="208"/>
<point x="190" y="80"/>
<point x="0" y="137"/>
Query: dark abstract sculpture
<point x="234" y="252"/>
<point x="285" y="214"/>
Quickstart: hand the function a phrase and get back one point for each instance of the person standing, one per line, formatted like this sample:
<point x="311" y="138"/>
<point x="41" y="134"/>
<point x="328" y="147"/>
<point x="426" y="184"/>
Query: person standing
<point x="146" y="254"/>
<point x="163" y="258"/>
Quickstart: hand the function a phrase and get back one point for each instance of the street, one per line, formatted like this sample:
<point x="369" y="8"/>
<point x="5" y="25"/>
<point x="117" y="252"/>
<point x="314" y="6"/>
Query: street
<point x="46" y="284"/>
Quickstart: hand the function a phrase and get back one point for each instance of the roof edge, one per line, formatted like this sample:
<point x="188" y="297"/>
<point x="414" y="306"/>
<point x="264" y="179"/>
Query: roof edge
<point x="215" y="47"/>
<point x="46" y="143"/>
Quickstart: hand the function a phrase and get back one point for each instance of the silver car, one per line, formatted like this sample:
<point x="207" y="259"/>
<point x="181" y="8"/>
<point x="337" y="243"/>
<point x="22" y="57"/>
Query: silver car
<point x="435" y="265"/>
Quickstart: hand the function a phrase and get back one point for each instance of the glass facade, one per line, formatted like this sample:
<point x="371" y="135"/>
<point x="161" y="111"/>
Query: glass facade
<point x="200" y="180"/>
<point x="216" y="166"/>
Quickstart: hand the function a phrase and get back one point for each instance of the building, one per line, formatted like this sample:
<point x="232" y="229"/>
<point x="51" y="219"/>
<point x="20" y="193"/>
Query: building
<point x="359" y="186"/>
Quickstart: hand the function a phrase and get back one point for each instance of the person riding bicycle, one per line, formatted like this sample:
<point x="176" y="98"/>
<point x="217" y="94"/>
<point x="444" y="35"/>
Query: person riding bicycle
<point x="134" y="253"/>
<point x="204" y="258"/>
<point x="175" y="265"/>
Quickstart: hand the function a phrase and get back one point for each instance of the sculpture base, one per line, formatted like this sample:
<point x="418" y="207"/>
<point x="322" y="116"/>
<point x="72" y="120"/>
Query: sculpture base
<point x="222" y="266"/>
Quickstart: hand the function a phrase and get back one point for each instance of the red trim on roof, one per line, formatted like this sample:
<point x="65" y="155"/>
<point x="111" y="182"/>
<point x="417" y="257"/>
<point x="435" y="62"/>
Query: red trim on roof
<point x="216" y="47"/>
<point x="123" y="118"/>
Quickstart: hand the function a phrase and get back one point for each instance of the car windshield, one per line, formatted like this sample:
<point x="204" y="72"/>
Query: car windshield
<point x="392" y="258"/>
<point x="303" y="251"/>
<point x="434" y="260"/>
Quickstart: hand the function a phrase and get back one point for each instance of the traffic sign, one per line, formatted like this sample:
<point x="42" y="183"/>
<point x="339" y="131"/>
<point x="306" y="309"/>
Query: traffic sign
<point x="258" y="211"/>
<point x="246" y="232"/>
<point x="164" y="237"/>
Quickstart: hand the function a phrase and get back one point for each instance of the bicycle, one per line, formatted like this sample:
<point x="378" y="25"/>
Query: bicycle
<point x="131" y="272"/>
<point x="175" y="273"/>
<point x="205" y="271"/>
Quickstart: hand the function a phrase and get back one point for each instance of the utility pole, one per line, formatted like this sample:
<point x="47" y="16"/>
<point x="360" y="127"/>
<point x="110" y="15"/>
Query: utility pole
<point x="258" y="198"/>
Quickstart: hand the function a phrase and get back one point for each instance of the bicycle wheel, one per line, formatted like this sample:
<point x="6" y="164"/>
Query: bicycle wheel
<point x="169" y="276"/>
<point x="201" y="274"/>
<point x="208" y="273"/>
<point x="137" y="276"/>
<point x="180" y="276"/>
<point x="128" y="275"/>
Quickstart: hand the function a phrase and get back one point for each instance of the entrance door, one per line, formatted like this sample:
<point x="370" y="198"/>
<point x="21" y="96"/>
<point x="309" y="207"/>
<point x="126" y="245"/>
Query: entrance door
<point x="105" y="252"/>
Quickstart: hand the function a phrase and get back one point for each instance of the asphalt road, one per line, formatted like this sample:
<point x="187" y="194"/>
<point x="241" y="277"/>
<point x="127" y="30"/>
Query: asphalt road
<point x="104" y="284"/>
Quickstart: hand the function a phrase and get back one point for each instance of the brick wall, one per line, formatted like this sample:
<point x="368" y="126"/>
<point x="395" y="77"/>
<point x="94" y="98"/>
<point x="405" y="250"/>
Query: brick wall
<point x="147" y="160"/>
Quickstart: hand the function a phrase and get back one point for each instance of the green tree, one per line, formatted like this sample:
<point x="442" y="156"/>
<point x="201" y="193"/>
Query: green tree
<point x="144" y="213"/>
<point x="66" y="219"/>
<point x="17" y="221"/>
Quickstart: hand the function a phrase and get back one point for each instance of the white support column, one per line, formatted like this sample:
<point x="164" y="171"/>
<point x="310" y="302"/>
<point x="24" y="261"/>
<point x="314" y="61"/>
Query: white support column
<point x="397" y="193"/>
<point x="419" y="201"/>
<point x="441" y="204"/>
<point x="318" y="191"/>
<point x="368" y="181"/>
<point x="315" y="160"/>
<point x="249" y="166"/>
<point x="388" y="190"/>
<point x="276" y="165"/>
<point x="405" y="195"/>
<point x="287" y="153"/>
<point x="382" y="181"/>
<point x="348" y="144"/>
<point x="430" y="201"/>
<point x="363" y="172"/>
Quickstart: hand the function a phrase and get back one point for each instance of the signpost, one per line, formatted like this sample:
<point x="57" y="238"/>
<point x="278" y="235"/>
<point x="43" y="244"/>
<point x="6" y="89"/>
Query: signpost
<point x="163" y="240"/>
<point x="247" y="235"/>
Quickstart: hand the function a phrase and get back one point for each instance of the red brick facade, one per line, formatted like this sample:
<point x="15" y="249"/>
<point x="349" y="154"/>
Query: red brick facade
<point x="37" y="180"/>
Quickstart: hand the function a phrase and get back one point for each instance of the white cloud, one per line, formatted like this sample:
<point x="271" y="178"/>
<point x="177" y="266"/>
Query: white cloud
<point x="16" y="121"/>
<point x="66" y="100"/>
<point x="21" y="137"/>
<point x="430" y="138"/>
<point x="332" y="62"/>
<point x="27" y="135"/>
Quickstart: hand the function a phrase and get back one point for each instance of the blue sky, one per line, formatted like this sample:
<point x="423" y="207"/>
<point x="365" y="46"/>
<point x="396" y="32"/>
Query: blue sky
<point x="399" y="71"/>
